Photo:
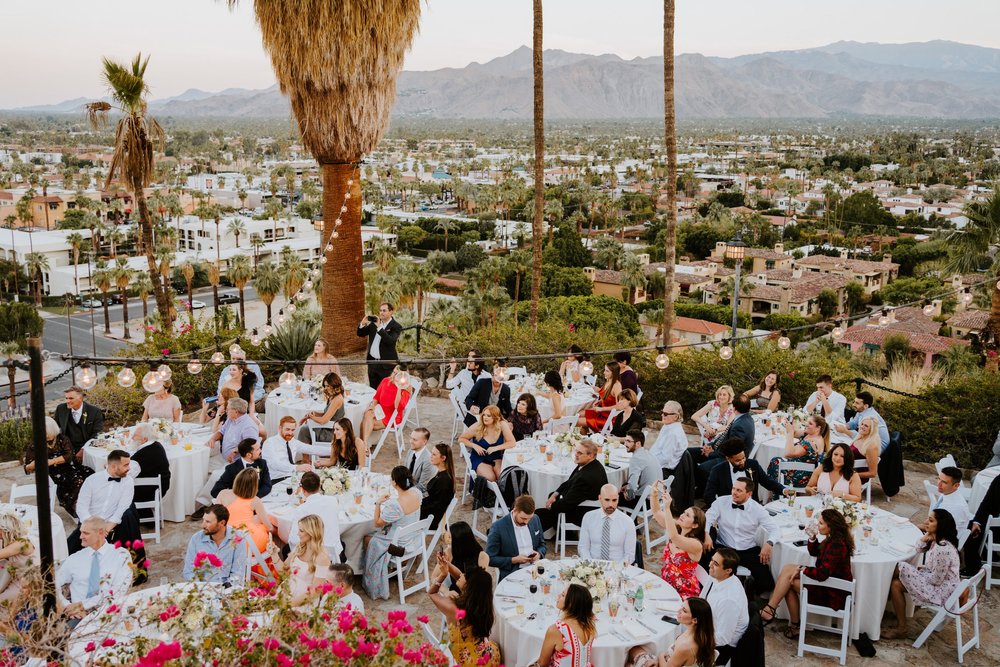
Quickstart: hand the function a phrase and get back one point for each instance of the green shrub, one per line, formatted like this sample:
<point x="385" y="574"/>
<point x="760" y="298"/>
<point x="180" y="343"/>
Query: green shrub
<point x="121" y="406"/>
<point x="15" y="438"/>
<point x="470" y="256"/>
<point x="18" y="321"/>
<point x="597" y="313"/>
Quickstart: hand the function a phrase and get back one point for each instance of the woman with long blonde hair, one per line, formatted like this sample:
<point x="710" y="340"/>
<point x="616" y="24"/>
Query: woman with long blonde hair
<point x="309" y="561"/>
<point x="487" y="440"/>
<point x="866" y="448"/>
<point x="321" y="362"/>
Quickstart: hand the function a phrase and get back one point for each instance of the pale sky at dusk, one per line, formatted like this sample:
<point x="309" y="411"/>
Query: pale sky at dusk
<point x="51" y="49"/>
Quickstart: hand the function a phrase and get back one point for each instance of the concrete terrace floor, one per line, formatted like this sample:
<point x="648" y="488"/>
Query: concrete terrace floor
<point x="435" y="414"/>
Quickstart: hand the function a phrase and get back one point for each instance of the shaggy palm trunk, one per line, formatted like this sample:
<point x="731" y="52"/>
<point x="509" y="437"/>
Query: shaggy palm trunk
<point x="190" y="302"/>
<point x="344" y="302"/>
<point x="107" y="316"/>
<point x="670" y="142"/>
<point x="243" y="314"/>
<point x="126" y="335"/>
<point x="517" y="294"/>
<point x="993" y="323"/>
<point x="538" y="120"/>
<point x="146" y="234"/>
<point x="145" y="308"/>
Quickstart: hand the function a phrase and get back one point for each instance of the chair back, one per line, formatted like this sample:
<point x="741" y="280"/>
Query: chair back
<point x="931" y="490"/>
<point x="953" y="605"/>
<point x="606" y="430"/>
<point x="992" y="546"/>
<point x="31" y="491"/>
<point x="825" y="612"/>
<point x="155" y="505"/>
<point x="561" y="425"/>
<point x="514" y="372"/>
<point x="704" y="578"/>
<point x="442" y="525"/>
<point x="500" y="509"/>
<point x="408" y="536"/>
<point x="944" y="462"/>
<point x="457" y="405"/>
<point x="794" y="466"/>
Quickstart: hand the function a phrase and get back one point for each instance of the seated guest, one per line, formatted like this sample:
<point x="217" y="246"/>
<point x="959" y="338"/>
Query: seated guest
<point x="214" y="410"/>
<point x="461" y="383"/>
<point x="441" y="487"/>
<point x="714" y="416"/>
<point x="308" y="565"/>
<point x="238" y="427"/>
<point x="736" y="465"/>
<point x="217" y="539"/>
<point x="553" y="391"/>
<point x="628" y="418"/>
<point x="643" y="469"/>
<point x="391" y="515"/>
<point x="626" y="374"/>
<point x="242" y="380"/>
<point x="281" y="451"/>
<point x="766" y="396"/>
<point x="97" y="574"/>
<point x="468" y="631"/>
<point x="516" y="540"/>
<point x="525" y="420"/>
<point x="151" y="459"/>
<point x="487" y="440"/>
<point x="342" y="578"/>
<point x="671" y="441"/>
<point x="695" y="646"/>
<point x="736" y="519"/>
<point x="949" y="486"/>
<point x="833" y="559"/>
<point x="593" y="418"/>
<point x="65" y="470"/>
<point x="320" y="363"/>
<point x="607" y="533"/>
<point x="79" y="421"/>
<point x="325" y="507"/>
<point x="249" y="451"/>
<point x="741" y="428"/>
<point x="584" y="483"/>
<point x="866" y="448"/>
<point x="246" y="511"/>
<point x="935" y="580"/>
<point x="989" y="507"/>
<point x="830" y="405"/>
<point x="418" y="459"/>
<point x="864" y="405"/>
<point x="835" y="476"/>
<point x="162" y="404"/>
<point x="346" y="451"/>
<point x="389" y="400"/>
<point x="685" y="543"/>
<point x="251" y="368"/>
<point x="18" y="565"/>
<point x="108" y="495"/>
<point x="570" y="368"/>
<point x="569" y="641"/>
<point x="487" y="392"/>
<point x="810" y="448"/>
<point x="464" y="553"/>
<point x="728" y="600"/>
<point x="334" y="393"/>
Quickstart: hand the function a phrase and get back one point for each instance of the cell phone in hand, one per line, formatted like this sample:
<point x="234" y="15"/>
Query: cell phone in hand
<point x="800" y="543"/>
<point x="667" y="619"/>
<point x="372" y="319"/>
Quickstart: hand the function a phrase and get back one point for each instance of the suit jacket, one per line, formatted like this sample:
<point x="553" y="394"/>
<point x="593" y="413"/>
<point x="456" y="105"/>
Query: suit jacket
<point x="91" y="422"/>
<point x="741" y="427"/>
<point x="389" y="334"/>
<point x="423" y="469"/>
<point x="152" y="460"/>
<point x="231" y="470"/>
<point x="720" y="481"/>
<point x="480" y="396"/>
<point x="583" y="484"/>
<point x="501" y="544"/>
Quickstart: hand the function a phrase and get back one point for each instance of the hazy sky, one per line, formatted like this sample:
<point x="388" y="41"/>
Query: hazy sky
<point x="51" y="49"/>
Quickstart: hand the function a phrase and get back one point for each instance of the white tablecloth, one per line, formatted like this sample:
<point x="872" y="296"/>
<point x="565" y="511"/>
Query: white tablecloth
<point x="356" y="520"/>
<point x="29" y="514"/>
<point x="980" y="485"/>
<point x="188" y="458"/>
<point x="574" y="400"/>
<point x="520" y="635"/>
<point x="544" y="477"/>
<point x="871" y="564"/>
<point x="297" y="403"/>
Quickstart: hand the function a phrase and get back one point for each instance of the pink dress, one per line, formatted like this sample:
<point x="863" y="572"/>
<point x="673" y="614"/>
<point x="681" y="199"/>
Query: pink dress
<point x="823" y="484"/>
<point x="573" y="653"/>
<point x="681" y="572"/>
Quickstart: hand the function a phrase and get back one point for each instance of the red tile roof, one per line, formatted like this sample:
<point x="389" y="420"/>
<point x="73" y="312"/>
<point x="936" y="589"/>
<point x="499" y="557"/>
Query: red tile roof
<point x="974" y="320"/>
<point x="692" y="325"/>
<point x="922" y="342"/>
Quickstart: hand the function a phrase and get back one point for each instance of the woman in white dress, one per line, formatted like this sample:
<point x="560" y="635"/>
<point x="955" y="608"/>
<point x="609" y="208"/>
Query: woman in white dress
<point x="308" y="565"/>
<point x="836" y="476"/>
<point x="162" y="404"/>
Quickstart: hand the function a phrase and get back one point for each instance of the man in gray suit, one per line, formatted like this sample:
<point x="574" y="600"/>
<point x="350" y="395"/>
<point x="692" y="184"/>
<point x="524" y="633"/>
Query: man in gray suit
<point x="418" y="459"/>
<point x="516" y="540"/>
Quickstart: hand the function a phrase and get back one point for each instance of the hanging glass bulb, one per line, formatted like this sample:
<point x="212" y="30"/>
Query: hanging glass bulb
<point x="883" y="320"/>
<point x="267" y="330"/>
<point x="343" y="209"/>
<point x="235" y="349"/>
<point x="838" y="332"/>
<point x="662" y="360"/>
<point x="587" y="367"/>
<point x="255" y="338"/>
<point x="287" y="379"/>
<point x="350" y="182"/>
<point x="329" y="247"/>
<point x="966" y="297"/>
<point x="194" y="366"/>
<point x="281" y="316"/>
<point x="126" y="377"/>
<point x="929" y="310"/>
<point x="87" y="379"/>
<point x="164" y="372"/>
<point x="307" y="285"/>
<point x="152" y="382"/>
<point x="316" y="273"/>
<point x="784" y="342"/>
<point x="218" y="357"/>
<point x="998" y="284"/>
<point x="338" y="222"/>
<point x="726" y="352"/>
<point x="402" y="379"/>
<point x="323" y="259"/>
<point x="291" y="308"/>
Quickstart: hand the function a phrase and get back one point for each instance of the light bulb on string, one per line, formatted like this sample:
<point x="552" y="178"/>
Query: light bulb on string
<point x="235" y="349"/>
<point x="784" y="342"/>
<point x="268" y="329"/>
<point x="287" y="379"/>
<point x="194" y="366"/>
<point x="87" y="379"/>
<point x="126" y="377"/>
<point x="402" y="379"/>
<point x="586" y="367"/>
<point x="307" y="285"/>
<point x="152" y="382"/>
<point x="316" y="273"/>
<point x="928" y="309"/>
<point x="323" y="259"/>
<point x="662" y="360"/>
<point x="291" y="308"/>
<point x="218" y="357"/>
<point x="338" y="222"/>
<point x="998" y="284"/>
<point x="255" y="338"/>
<point x="335" y="234"/>
<point x="164" y="372"/>
<point x="966" y="297"/>
<point x="725" y="352"/>
<point x="838" y="332"/>
<point x="884" y="318"/>
<point x="281" y="316"/>
<point x="329" y="247"/>
<point x="343" y="209"/>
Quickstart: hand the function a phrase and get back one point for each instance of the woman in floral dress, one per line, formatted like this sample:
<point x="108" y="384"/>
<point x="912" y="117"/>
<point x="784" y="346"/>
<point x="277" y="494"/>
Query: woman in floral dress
<point x="569" y="641"/>
<point x="714" y="416"/>
<point x="469" y="615"/>
<point x="67" y="473"/>
<point x="810" y="448"/>
<point x="686" y="538"/>
<point x="391" y="515"/>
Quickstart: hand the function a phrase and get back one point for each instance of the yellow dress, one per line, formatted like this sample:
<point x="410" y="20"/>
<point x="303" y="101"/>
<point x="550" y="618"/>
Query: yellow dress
<point x="469" y="652"/>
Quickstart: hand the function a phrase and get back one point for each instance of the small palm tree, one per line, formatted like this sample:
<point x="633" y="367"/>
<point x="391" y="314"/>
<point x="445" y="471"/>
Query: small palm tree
<point x="102" y="280"/>
<point x="267" y="282"/>
<point x="75" y="241"/>
<point x="122" y="275"/>
<point x="143" y="288"/>
<point x="383" y="254"/>
<point x="608" y="252"/>
<point x="633" y="276"/>
<point x="188" y="269"/>
<point x="236" y="227"/>
<point x="294" y="272"/>
<point x="37" y="264"/>
<point x="240" y="273"/>
<point x="214" y="275"/>
<point x="445" y="225"/>
<point x="519" y="262"/>
<point x="970" y="252"/>
<point x="256" y="242"/>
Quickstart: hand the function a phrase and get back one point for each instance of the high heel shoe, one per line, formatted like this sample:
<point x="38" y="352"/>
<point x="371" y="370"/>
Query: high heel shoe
<point x="770" y="610"/>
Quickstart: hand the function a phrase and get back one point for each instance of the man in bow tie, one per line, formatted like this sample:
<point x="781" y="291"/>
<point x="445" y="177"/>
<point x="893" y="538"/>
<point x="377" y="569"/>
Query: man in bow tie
<point x="720" y="480"/>
<point x="108" y="495"/>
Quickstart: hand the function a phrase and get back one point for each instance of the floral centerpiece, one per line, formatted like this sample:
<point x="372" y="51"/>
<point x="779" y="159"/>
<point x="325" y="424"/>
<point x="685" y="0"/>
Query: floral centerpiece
<point x="334" y="481"/>
<point x="589" y="574"/>
<point x="533" y="383"/>
<point x="568" y="440"/>
<point x="162" y="427"/>
<point x="849" y="510"/>
<point x="799" y="416"/>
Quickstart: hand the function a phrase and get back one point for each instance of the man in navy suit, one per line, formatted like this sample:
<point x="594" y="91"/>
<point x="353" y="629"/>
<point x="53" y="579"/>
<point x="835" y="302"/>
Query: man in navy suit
<point x="736" y="465"/>
<point x="708" y="456"/>
<point x="487" y="391"/>
<point x="516" y="541"/>
<point x="249" y="451"/>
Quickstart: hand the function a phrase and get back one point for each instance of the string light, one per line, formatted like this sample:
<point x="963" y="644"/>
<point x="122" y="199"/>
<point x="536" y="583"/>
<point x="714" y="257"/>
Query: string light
<point x="152" y="382"/>
<point x="586" y="367"/>
<point x="164" y="372"/>
<point x="884" y="319"/>
<point x="784" y="342"/>
<point x="928" y="308"/>
<point x="194" y="366"/>
<point x="402" y="379"/>
<point x="87" y="379"/>
<point x="307" y="285"/>
<point x="966" y="297"/>
<point x="662" y="360"/>
<point x="291" y="308"/>
<point x="126" y="377"/>
<point x="998" y="284"/>
<point x="235" y="349"/>
<point x="323" y="260"/>
<point x="268" y="329"/>
<point x="255" y="338"/>
<point x="287" y="379"/>
<point x="281" y="316"/>
<point x="838" y="331"/>
<point x="218" y="357"/>
<point x="725" y="352"/>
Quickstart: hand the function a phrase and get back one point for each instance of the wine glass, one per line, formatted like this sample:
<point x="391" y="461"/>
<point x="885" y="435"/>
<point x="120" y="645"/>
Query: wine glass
<point x="540" y="568"/>
<point x="533" y="588"/>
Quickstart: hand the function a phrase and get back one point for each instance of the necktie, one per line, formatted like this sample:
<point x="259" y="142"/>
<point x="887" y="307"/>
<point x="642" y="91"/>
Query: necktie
<point x="822" y="410"/>
<point x="413" y="461"/>
<point x="114" y="479"/>
<point x="606" y="539"/>
<point x="739" y="507"/>
<point x="288" y="449"/>
<point x="76" y="416"/>
<point x="94" y="582"/>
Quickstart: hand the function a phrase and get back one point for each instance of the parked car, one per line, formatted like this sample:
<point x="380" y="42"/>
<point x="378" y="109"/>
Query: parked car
<point x="91" y="302"/>
<point x="229" y="298"/>
<point x="193" y="305"/>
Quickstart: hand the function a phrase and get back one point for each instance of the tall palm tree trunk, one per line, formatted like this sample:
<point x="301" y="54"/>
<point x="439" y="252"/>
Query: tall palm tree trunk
<point x="126" y="335"/>
<point x="517" y="293"/>
<point x="146" y="234"/>
<point x="107" y="317"/>
<point x="243" y="314"/>
<point x="345" y="305"/>
<point x="670" y="142"/>
<point x="538" y="120"/>
<point x="993" y="323"/>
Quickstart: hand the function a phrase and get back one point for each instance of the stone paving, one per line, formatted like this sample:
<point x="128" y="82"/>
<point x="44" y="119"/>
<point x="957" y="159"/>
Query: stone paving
<point x="436" y="414"/>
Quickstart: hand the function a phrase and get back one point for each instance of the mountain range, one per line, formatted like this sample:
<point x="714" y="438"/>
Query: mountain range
<point x="937" y="79"/>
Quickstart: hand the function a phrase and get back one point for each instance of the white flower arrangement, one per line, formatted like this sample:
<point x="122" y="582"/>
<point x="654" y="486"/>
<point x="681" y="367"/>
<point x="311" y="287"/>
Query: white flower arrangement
<point x="800" y="416"/>
<point x="162" y="427"/>
<point x="334" y="481"/>
<point x="567" y="441"/>
<point x="849" y="510"/>
<point x="589" y="574"/>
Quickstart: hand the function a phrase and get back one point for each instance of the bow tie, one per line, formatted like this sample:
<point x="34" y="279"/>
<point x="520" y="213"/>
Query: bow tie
<point x="739" y="507"/>
<point x="114" y="479"/>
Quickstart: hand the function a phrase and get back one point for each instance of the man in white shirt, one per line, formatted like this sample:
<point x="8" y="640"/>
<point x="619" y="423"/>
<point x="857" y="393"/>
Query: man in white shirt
<point x="607" y="533"/>
<point x="107" y="494"/>
<point x="830" y="405"/>
<point x="325" y="507"/>
<point x="418" y="459"/>
<point x="643" y="469"/>
<point x="949" y="486"/>
<point x="736" y="519"/>
<point x="342" y="578"/>
<point x="728" y="600"/>
<point x="281" y="451"/>
<point x="97" y="574"/>
<point x="672" y="442"/>
<point x="463" y="381"/>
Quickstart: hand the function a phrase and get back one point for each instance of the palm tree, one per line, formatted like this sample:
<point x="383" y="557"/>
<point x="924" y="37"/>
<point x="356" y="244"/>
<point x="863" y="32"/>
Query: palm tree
<point x="554" y="212"/>
<point x="240" y="273"/>
<point x="355" y="52"/>
<point x="538" y="120"/>
<point x="519" y="262"/>
<point x="236" y="227"/>
<point x="75" y="241"/>
<point x="143" y="286"/>
<point x="970" y="252"/>
<point x="417" y="279"/>
<point x="608" y="252"/>
<point x="136" y="136"/>
<point x="241" y="194"/>
<point x="36" y="263"/>
<point x="383" y="254"/>
<point x="188" y="270"/>
<point x="214" y="275"/>
<point x="445" y="225"/>
<point x="670" y="144"/>
<point x="294" y="271"/>
<point x="256" y="242"/>
<point x="102" y="280"/>
<point x="633" y="276"/>
<point x="122" y="275"/>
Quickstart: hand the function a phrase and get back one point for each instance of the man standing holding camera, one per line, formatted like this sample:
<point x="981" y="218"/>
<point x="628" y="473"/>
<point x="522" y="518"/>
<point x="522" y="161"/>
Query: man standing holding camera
<point x="382" y="332"/>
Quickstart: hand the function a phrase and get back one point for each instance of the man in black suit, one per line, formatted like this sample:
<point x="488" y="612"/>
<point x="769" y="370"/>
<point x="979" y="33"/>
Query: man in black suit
<point x="736" y="465"/>
<point x="708" y="456"/>
<point x="249" y="451"/>
<point x="487" y="391"/>
<point x="506" y="551"/>
<point x="78" y="421"/>
<point x="382" y="332"/>
<point x="973" y="545"/>
<point x="152" y="461"/>
<point x="584" y="483"/>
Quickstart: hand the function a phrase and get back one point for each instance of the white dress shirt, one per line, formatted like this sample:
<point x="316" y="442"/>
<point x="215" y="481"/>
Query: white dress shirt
<point x="737" y="528"/>
<point x="326" y="508"/>
<point x="837" y="403"/>
<point x="421" y="469"/>
<point x="956" y="505"/>
<point x="116" y="575"/>
<point x="730" y="615"/>
<point x="525" y="547"/>
<point x="101" y="497"/>
<point x="275" y="452"/>
<point x="670" y="445"/>
<point x="643" y="471"/>
<point x="463" y="382"/>
<point x="353" y="599"/>
<point x="622" y="536"/>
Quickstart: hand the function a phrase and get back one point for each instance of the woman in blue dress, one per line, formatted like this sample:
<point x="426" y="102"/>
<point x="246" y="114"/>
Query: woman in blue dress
<point x="391" y="516"/>
<point x="810" y="448"/>
<point x="487" y="440"/>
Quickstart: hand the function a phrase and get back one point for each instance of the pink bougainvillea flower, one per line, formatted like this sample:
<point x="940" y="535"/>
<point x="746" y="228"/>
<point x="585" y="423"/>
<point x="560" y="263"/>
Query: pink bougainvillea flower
<point x="108" y="641"/>
<point x="165" y="351"/>
<point x="90" y="647"/>
<point x="459" y="614"/>
<point x="423" y="619"/>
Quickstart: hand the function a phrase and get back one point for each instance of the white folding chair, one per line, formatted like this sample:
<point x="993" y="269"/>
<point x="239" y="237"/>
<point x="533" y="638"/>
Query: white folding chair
<point x="442" y="526"/>
<point x="638" y="396"/>
<point x="841" y="615"/>
<point x="963" y="536"/>
<point x="992" y="547"/>
<point x="954" y="610"/>
<point x="413" y="417"/>
<point x="867" y="488"/>
<point x="932" y="493"/>
<point x="642" y="512"/>
<point x="946" y="461"/>
<point x="794" y="466"/>
<point x="314" y="429"/>
<point x="411" y="538"/>
<point x="497" y="512"/>
<point x="754" y="450"/>
<point x="254" y="557"/>
<point x="704" y="578"/>
<point x="18" y="491"/>
<point x="458" y="408"/>
<point x="561" y="425"/>
<point x="563" y="527"/>
<point x="155" y="504"/>
<point x="470" y="472"/>
<point x="397" y="429"/>
<point x="514" y="372"/>
<point x="439" y="643"/>
<point x="606" y="429"/>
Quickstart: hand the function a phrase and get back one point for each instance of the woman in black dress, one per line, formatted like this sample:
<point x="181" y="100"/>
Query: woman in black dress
<point x="525" y="420"/>
<point x="441" y="487"/>
<point x="64" y="469"/>
<point x="629" y="418"/>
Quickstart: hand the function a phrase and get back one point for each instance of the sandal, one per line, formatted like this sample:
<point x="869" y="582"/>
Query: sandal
<point x="769" y="609"/>
<point x="792" y="631"/>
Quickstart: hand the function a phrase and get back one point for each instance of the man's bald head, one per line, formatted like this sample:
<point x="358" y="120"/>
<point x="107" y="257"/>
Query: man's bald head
<point x="609" y="498"/>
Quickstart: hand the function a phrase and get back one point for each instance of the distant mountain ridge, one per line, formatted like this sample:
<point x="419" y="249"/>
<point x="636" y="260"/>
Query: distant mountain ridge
<point x="937" y="79"/>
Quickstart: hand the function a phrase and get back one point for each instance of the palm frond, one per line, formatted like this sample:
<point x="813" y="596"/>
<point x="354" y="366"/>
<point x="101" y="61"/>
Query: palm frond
<point x="126" y="84"/>
<point x="97" y="114"/>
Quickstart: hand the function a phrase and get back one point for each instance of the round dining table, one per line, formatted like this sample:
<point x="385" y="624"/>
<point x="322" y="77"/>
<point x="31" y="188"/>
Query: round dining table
<point x="523" y="617"/>
<point x="575" y="398"/>
<point x="187" y="455"/>
<point x="300" y="399"/>
<point x="29" y="515"/>
<point x="893" y="541"/>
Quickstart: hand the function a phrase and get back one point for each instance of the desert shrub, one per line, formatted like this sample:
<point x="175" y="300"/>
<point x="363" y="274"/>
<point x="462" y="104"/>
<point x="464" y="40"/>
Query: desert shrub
<point x="292" y="340"/>
<point x="15" y="438"/>
<point x="598" y="313"/>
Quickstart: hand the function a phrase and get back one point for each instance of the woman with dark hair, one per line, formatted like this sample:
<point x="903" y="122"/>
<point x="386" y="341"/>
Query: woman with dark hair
<point x="629" y="378"/>
<point x="833" y="559"/>
<point x="935" y="580"/>
<point x="525" y="419"/>
<point x="569" y="641"/>
<point x="440" y="487"/>
<point x="765" y="396"/>
<point x="810" y="448"/>
<point x="594" y="417"/>
<point x="570" y="368"/>
<point x="695" y="646"/>
<point x="242" y="379"/>
<point x="553" y="392"/>
<point x="464" y="552"/>
<point x="836" y="476"/>
<point x="344" y="450"/>
<point x="391" y="515"/>
<point x="469" y="632"/>
<point x="686" y="537"/>
<point x="628" y="418"/>
<point x="333" y="391"/>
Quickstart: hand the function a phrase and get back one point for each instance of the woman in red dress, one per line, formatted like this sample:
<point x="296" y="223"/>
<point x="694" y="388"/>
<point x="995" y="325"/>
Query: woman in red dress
<point x="607" y="398"/>
<point x="388" y="399"/>
<point x="686" y="538"/>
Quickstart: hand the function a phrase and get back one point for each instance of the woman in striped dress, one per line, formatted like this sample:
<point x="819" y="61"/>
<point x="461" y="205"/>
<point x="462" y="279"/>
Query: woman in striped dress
<point x="569" y="641"/>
